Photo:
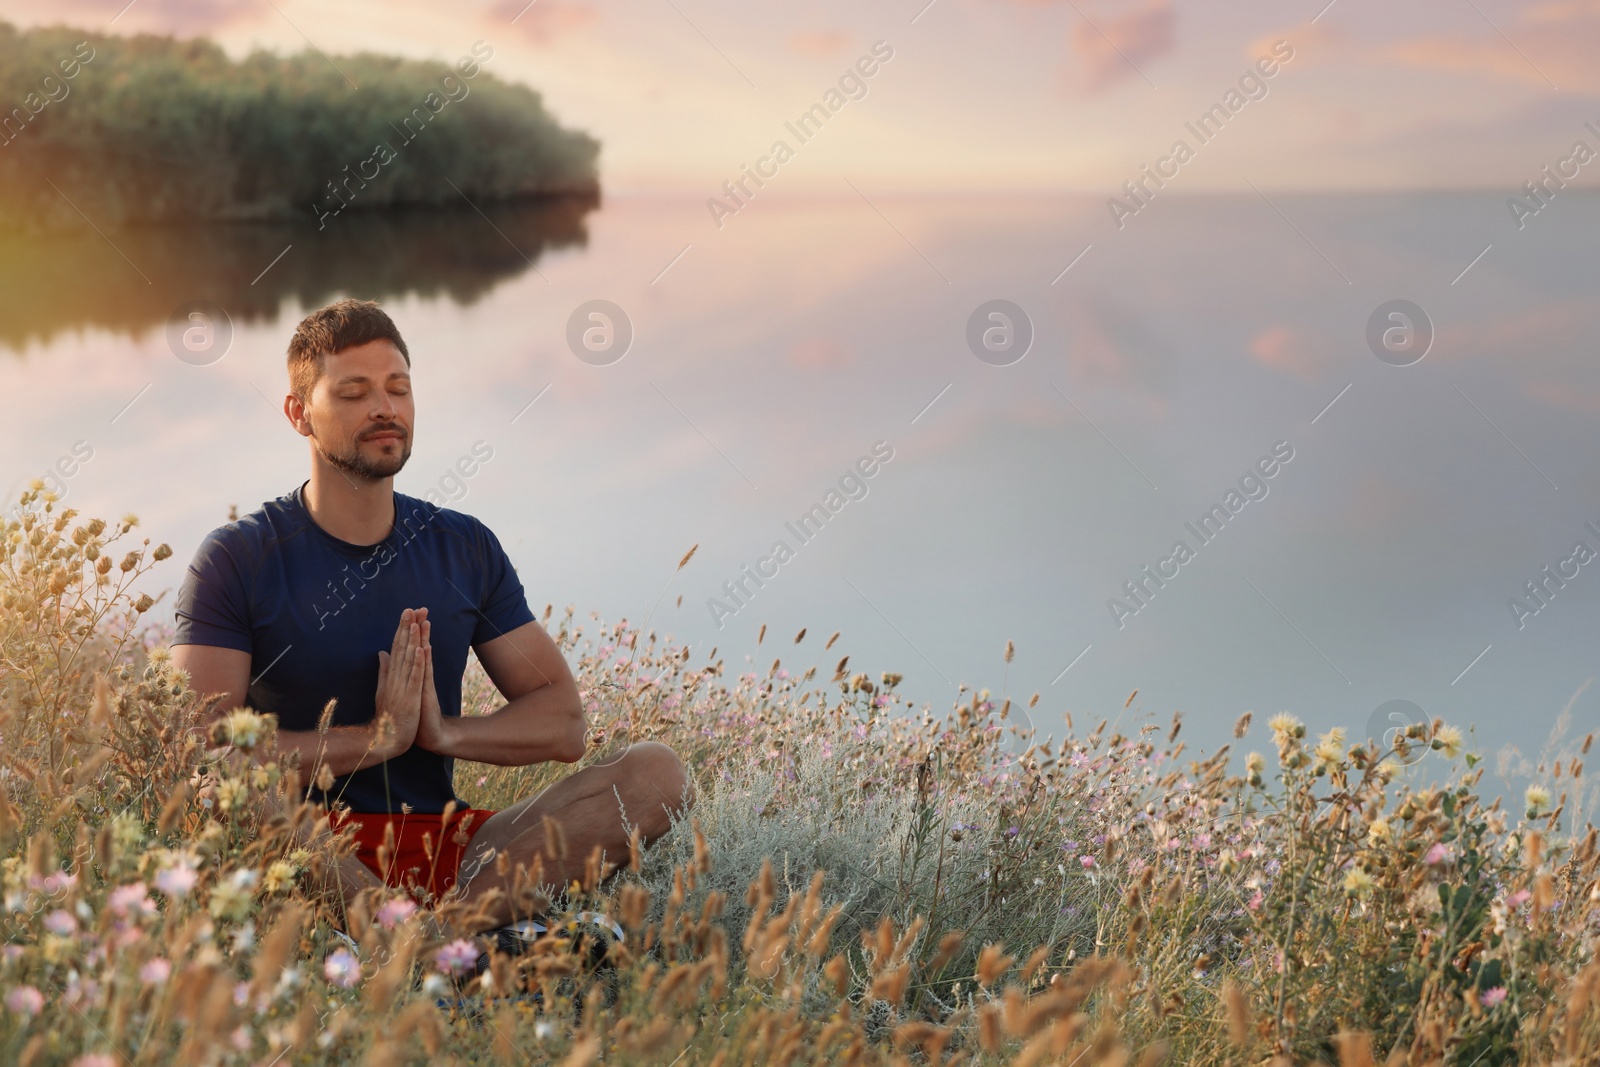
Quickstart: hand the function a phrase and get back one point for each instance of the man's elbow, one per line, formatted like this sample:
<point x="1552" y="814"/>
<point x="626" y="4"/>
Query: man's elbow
<point x="574" y="738"/>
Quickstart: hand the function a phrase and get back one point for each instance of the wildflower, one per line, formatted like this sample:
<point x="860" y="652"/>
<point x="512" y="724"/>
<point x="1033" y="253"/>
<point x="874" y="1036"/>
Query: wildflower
<point x="1087" y="861"/>
<point x="61" y="922"/>
<point x="1519" y="898"/>
<point x="456" y="957"/>
<point x="231" y="898"/>
<point x="1538" y="799"/>
<point x="1448" y="740"/>
<point x="1439" y="853"/>
<point x="244" y="728"/>
<point x="131" y="901"/>
<point x="1491" y="997"/>
<point x="127" y="832"/>
<point x="25" y="1000"/>
<point x="177" y="880"/>
<point x="279" y="877"/>
<point x="95" y="1059"/>
<point x="1284" y="725"/>
<point x="343" y="969"/>
<point x="1012" y="831"/>
<point x="1254" y="764"/>
<point x="395" y="911"/>
<point x="1358" y="883"/>
<point x="1330" y="749"/>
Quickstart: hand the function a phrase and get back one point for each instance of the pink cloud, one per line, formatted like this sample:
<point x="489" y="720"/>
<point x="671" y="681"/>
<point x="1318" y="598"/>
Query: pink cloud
<point x="1564" y="395"/>
<point x="819" y="44"/>
<point x="820" y="353"/>
<point x="180" y="18"/>
<point x="1110" y="47"/>
<point x="1547" y="327"/>
<point x="1553" y="41"/>
<point x="544" y="21"/>
<point x="1285" y="349"/>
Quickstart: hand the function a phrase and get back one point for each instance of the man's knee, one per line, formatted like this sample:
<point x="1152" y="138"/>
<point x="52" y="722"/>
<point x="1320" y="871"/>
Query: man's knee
<point x="659" y="772"/>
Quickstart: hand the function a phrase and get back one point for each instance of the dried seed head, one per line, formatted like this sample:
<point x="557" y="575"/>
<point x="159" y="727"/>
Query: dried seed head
<point x="1238" y="1007"/>
<point x="992" y="963"/>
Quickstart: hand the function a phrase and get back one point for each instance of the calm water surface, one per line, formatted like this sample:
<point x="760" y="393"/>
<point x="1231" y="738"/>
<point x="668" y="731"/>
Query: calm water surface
<point x="769" y="357"/>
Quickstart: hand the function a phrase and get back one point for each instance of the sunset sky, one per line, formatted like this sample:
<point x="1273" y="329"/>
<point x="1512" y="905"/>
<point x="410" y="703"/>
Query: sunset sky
<point x="989" y="94"/>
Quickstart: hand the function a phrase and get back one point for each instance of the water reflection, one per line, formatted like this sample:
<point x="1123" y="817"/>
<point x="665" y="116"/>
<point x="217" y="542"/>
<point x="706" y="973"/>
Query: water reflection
<point x="53" y="284"/>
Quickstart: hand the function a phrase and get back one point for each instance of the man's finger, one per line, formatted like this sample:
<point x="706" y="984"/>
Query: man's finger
<point x="399" y="635"/>
<point x="418" y="667"/>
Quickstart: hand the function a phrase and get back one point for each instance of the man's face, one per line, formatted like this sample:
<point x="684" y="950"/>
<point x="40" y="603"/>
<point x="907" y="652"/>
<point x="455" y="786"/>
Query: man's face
<point x="361" y="411"/>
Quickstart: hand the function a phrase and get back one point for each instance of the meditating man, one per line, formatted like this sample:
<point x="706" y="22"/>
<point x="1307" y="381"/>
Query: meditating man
<point x="344" y="591"/>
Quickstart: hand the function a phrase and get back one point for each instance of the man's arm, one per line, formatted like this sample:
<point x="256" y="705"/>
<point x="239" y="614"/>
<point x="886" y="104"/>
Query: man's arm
<point x="343" y="748"/>
<point x="542" y="719"/>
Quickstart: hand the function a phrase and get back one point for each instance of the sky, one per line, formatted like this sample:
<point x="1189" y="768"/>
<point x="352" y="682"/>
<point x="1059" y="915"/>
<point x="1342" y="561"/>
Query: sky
<point x="1172" y="350"/>
<point x="1072" y="95"/>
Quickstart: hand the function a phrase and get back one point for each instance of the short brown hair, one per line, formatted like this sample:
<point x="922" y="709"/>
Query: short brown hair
<point x="341" y="325"/>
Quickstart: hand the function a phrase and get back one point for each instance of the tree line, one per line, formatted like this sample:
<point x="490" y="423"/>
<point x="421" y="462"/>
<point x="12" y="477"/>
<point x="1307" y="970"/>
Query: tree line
<point x="157" y="129"/>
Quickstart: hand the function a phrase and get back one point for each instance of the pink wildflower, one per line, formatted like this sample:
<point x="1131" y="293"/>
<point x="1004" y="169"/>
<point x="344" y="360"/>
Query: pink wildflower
<point x="456" y="957"/>
<point x="176" y="881"/>
<point x="1087" y="861"/>
<point x="1439" y="853"/>
<point x="25" y="1000"/>
<point x="61" y="922"/>
<point x="95" y="1059"/>
<point x="393" y="912"/>
<point x="155" y="971"/>
<point x="342" y="969"/>
<point x="1491" y="997"/>
<point x="131" y="899"/>
<point x="1517" y="899"/>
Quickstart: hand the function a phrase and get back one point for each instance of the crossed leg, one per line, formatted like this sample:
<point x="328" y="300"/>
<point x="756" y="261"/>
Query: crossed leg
<point x="645" y="784"/>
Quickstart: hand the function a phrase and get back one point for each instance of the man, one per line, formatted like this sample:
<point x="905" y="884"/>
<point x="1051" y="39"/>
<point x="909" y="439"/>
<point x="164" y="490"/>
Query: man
<point x="345" y="592"/>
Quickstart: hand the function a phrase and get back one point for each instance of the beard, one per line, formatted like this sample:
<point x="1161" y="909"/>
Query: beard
<point x="353" y="461"/>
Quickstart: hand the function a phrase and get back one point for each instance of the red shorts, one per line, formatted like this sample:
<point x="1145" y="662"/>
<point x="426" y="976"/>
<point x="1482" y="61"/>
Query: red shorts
<point x="426" y="856"/>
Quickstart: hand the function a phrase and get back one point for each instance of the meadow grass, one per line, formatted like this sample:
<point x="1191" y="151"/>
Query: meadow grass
<point x="860" y="881"/>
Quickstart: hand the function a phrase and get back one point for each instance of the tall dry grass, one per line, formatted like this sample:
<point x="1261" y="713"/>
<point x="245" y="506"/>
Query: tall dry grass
<point x="862" y="882"/>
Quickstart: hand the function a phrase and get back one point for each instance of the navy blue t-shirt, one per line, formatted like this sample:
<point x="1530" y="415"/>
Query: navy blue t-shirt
<point x="314" y="611"/>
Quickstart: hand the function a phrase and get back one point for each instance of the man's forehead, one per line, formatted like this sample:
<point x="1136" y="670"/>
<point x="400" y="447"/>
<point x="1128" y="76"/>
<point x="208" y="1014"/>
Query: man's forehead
<point x="361" y="362"/>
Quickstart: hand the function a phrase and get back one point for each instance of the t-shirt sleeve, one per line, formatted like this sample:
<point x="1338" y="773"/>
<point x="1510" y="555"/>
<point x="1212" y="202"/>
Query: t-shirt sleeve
<point x="214" y="602"/>
<point x="504" y="606"/>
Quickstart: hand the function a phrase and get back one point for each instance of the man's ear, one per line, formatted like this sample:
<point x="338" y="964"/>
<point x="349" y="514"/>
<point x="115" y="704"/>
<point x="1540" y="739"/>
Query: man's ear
<point x="295" y="409"/>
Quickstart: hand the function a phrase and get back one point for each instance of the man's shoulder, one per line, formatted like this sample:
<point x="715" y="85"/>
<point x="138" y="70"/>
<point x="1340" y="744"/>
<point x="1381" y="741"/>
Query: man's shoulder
<point x="420" y="512"/>
<point x="248" y="536"/>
